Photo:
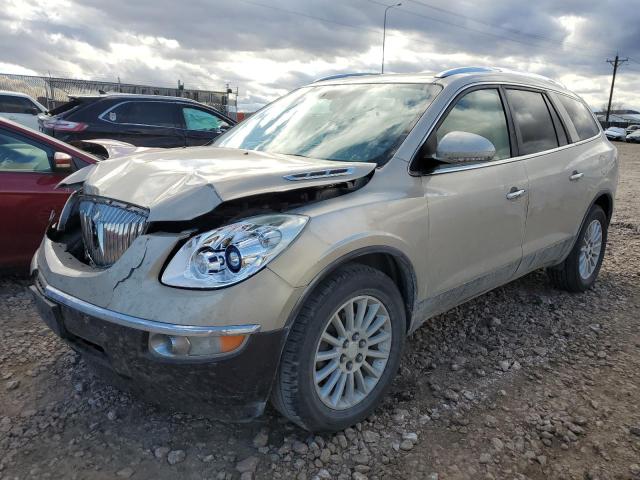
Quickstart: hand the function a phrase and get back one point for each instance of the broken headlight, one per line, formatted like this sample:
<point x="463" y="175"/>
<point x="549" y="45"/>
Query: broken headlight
<point x="230" y="254"/>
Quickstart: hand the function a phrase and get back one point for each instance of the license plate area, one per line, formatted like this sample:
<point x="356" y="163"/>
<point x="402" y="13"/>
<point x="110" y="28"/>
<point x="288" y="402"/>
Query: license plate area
<point x="49" y="312"/>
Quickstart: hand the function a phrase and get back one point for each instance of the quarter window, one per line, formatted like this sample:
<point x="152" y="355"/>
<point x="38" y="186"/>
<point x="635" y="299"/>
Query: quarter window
<point x="580" y="117"/>
<point x="480" y="112"/>
<point x="158" y="114"/>
<point x="19" y="155"/>
<point x="196" y="119"/>
<point x="532" y="121"/>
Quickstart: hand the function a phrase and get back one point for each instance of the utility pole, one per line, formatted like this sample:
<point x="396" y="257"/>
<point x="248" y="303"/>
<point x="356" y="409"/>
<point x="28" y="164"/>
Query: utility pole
<point x="384" y="30"/>
<point x="616" y="63"/>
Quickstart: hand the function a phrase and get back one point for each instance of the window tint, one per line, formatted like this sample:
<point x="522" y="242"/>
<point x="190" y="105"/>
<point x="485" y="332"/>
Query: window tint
<point x="580" y="116"/>
<point x="480" y="112"/>
<point x="532" y="121"/>
<point x="560" y="131"/>
<point x="159" y="114"/>
<point x="11" y="104"/>
<point x="196" y="119"/>
<point x="19" y="155"/>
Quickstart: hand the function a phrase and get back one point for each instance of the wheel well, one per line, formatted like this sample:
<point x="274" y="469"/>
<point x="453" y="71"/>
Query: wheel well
<point x="399" y="270"/>
<point x="604" y="201"/>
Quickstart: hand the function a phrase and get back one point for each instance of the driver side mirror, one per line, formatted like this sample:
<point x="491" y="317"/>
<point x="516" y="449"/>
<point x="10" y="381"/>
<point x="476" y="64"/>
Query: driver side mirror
<point x="63" y="162"/>
<point x="464" y="147"/>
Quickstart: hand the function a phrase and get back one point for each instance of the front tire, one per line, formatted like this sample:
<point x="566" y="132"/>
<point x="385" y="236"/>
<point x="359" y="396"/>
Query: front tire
<point x="580" y="269"/>
<point x="343" y="350"/>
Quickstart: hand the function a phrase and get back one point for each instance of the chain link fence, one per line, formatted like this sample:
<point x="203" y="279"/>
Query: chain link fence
<point x="54" y="91"/>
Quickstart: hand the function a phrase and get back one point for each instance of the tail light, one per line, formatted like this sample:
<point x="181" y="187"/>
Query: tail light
<point x="64" y="125"/>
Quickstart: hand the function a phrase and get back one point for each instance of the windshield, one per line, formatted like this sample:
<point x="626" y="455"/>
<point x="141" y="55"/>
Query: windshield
<point x="357" y="123"/>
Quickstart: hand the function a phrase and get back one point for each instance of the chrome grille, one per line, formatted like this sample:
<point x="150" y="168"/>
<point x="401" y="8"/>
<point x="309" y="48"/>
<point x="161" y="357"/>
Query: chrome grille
<point x="109" y="227"/>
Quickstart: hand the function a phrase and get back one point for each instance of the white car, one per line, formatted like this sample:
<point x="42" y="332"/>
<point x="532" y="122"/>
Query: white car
<point x="616" y="133"/>
<point x="632" y="128"/>
<point x="20" y="108"/>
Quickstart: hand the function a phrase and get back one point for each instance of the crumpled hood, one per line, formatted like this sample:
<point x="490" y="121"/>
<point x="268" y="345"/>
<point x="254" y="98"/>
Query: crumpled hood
<point x="183" y="183"/>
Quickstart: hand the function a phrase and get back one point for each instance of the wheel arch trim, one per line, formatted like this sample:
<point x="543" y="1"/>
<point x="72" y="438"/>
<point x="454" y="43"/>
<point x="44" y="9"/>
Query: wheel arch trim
<point x="408" y="288"/>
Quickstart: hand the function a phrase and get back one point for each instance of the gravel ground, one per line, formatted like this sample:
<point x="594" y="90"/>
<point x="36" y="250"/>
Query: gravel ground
<point x="524" y="382"/>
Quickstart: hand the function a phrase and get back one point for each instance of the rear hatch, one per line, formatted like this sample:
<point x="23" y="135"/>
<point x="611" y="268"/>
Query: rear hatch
<point x="57" y="120"/>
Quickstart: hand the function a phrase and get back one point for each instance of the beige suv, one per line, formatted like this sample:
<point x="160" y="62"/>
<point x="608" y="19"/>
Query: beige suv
<point x="290" y="260"/>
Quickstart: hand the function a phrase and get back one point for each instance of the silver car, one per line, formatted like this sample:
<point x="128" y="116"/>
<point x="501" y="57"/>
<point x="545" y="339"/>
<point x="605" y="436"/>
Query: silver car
<point x="290" y="260"/>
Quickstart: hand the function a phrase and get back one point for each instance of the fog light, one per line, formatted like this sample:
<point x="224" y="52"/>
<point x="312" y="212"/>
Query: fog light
<point x="176" y="346"/>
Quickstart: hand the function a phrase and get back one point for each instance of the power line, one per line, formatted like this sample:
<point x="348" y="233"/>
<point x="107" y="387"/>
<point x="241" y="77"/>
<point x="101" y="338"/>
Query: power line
<point x="616" y="63"/>
<point x="482" y="32"/>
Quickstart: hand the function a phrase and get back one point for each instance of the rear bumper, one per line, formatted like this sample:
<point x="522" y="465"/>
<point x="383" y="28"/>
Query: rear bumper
<point x="234" y="387"/>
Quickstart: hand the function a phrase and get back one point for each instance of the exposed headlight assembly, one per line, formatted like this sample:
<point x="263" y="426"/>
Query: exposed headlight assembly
<point x="231" y="254"/>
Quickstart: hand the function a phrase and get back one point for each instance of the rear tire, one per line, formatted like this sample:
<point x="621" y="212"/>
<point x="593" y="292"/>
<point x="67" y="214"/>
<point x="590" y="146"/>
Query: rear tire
<point x="580" y="269"/>
<point x="368" y="308"/>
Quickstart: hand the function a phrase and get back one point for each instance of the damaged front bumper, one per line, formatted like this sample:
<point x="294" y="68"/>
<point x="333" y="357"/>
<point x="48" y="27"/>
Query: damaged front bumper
<point x="234" y="387"/>
<point x="112" y="317"/>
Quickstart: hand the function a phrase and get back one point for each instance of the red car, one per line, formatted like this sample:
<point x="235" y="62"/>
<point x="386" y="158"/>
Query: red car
<point x="31" y="165"/>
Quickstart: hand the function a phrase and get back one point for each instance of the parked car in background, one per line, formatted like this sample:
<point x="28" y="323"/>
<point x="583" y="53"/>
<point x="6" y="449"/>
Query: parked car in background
<point x="616" y="134"/>
<point x="632" y="128"/>
<point x="20" y="108"/>
<point x="31" y="165"/>
<point x="290" y="259"/>
<point x="634" y="136"/>
<point x="141" y="120"/>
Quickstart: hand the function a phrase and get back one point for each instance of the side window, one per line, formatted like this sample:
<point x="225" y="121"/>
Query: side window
<point x="196" y="119"/>
<point x="480" y="112"/>
<point x="12" y="104"/>
<point x="532" y="121"/>
<point x="158" y="114"/>
<point x="580" y="117"/>
<point x="18" y="154"/>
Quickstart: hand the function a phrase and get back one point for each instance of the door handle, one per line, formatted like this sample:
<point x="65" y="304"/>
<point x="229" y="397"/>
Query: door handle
<point x="575" y="176"/>
<point x="514" y="193"/>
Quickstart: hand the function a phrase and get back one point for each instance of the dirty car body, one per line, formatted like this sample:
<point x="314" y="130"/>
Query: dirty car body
<point x="289" y="260"/>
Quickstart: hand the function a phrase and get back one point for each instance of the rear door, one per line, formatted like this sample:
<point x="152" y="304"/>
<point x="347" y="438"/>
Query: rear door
<point x="476" y="211"/>
<point x="145" y="123"/>
<point x="556" y="170"/>
<point x="27" y="196"/>
<point x="201" y="126"/>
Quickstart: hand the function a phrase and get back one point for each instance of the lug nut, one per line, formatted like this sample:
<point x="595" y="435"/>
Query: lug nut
<point x="356" y="336"/>
<point x="343" y="358"/>
<point x="362" y="344"/>
<point x="359" y="358"/>
<point x="349" y="365"/>
<point x="345" y="344"/>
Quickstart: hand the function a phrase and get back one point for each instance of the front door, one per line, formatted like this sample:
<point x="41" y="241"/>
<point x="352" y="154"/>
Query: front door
<point x="27" y="197"/>
<point x="477" y="211"/>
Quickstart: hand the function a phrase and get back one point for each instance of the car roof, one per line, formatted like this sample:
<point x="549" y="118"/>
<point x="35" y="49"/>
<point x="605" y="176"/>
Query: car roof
<point x="130" y="96"/>
<point x="458" y="77"/>
<point x="14" y="94"/>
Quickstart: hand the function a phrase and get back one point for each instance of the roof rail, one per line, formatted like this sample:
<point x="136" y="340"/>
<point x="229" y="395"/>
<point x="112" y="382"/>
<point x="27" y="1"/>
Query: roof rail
<point x="343" y="75"/>
<point x="460" y="70"/>
<point x="455" y="71"/>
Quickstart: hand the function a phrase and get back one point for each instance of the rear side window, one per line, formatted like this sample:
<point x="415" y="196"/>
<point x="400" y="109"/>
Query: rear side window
<point x="11" y="104"/>
<point x="158" y="114"/>
<point x="532" y="121"/>
<point x="580" y="117"/>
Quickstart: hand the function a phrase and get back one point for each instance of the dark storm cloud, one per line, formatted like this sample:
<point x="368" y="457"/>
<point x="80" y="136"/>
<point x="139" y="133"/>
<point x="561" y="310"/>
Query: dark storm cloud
<point x="213" y="36"/>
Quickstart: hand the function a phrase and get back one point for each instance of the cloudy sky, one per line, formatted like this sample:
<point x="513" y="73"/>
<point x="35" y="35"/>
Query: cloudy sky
<point x="268" y="47"/>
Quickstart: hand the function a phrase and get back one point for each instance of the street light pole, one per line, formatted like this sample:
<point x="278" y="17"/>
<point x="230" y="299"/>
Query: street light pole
<point x="384" y="30"/>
